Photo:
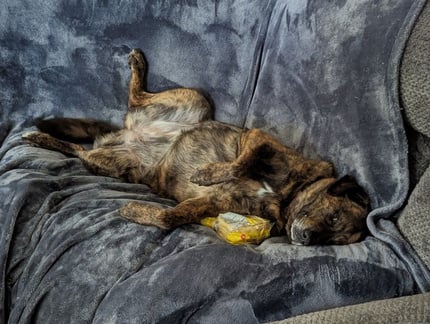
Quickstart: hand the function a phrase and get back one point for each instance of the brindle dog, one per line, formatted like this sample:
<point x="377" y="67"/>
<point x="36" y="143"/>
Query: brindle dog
<point x="170" y="143"/>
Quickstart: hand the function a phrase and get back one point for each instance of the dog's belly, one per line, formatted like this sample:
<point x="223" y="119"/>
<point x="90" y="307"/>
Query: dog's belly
<point x="149" y="142"/>
<point x="209" y="142"/>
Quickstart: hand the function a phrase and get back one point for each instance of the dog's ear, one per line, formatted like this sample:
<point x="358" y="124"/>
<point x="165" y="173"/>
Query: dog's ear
<point x="348" y="187"/>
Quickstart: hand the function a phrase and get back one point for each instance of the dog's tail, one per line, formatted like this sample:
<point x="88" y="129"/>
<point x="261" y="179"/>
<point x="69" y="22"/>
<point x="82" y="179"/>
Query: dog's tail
<point x="75" y="129"/>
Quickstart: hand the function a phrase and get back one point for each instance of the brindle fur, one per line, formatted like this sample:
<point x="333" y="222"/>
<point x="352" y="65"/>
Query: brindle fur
<point x="170" y="143"/>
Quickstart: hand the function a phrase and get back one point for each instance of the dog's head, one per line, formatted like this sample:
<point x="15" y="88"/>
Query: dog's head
<point x="329" y="211"/>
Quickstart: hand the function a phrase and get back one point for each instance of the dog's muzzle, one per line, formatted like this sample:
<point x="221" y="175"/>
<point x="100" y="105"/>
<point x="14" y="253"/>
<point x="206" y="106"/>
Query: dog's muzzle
<point x="300" y="234"/>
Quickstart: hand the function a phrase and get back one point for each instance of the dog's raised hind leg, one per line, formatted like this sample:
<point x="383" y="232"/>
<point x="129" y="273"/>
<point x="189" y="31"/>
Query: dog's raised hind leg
<point x="137" y="96"/>
<point x="194" y="106"/>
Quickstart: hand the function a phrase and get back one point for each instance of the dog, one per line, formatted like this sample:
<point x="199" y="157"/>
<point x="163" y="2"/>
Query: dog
<point x="170" y="143"/>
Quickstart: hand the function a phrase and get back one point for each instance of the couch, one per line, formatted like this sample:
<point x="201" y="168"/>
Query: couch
<point x="322" y="77"/>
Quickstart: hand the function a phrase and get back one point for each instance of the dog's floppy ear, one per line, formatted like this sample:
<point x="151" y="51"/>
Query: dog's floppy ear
<point x="348" y="187"/>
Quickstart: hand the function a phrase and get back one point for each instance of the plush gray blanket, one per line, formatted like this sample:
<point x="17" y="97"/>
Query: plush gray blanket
<point x="319" y="75"/>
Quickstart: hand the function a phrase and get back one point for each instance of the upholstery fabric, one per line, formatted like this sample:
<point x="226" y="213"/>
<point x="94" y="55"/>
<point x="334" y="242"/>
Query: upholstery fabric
<point x="414" y="221"/>
<point x="415" y="75"/>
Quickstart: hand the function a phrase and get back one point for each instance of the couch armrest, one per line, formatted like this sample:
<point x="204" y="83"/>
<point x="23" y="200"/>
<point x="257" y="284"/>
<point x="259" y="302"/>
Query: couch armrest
<point x="415" y="74"/>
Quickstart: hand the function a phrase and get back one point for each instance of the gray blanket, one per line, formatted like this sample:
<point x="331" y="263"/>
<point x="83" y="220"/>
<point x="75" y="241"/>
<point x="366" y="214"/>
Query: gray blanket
<point x="319" y="75"/>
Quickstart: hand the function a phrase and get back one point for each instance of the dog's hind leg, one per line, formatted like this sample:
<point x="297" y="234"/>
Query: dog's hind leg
<point x="75" y="129"/>
<point x="137" y="96"/>
<point x="115" y="162"/>
<point x="112" y="161"/>
<point x="194" y="106"/>
<point x="49" y="142"/>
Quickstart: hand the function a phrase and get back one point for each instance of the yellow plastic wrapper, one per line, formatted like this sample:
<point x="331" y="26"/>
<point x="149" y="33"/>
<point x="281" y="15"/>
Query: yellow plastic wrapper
<point x="238" y="229"/>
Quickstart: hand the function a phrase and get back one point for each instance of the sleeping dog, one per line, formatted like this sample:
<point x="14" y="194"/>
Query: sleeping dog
<point x="170" y="143"/>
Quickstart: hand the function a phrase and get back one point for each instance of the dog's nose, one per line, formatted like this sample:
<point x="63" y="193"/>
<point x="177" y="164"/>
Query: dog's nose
<point x="305" y="237"/>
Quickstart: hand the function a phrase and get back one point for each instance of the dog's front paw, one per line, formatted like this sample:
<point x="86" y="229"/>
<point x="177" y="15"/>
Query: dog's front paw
<point x="135" y="59"/>
<point x="202" y="177"/>
<point x="212" y="173"/>
<point x="144" y="214"/>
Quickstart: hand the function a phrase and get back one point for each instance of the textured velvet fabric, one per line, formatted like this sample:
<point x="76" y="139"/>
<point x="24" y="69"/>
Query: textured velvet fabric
<point x="321" y="76"/>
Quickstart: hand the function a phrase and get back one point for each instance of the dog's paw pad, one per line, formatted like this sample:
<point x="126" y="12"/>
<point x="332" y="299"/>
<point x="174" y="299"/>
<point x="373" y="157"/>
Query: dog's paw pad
<point x="135" y="59"/>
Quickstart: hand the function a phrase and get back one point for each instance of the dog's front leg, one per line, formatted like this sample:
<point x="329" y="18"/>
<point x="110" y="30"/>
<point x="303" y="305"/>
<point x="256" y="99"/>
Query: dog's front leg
<point x="256" y="148"/>
<point x="213" y="173"/>
<point x="144" y="214"/>
<point x="187" y="212"/>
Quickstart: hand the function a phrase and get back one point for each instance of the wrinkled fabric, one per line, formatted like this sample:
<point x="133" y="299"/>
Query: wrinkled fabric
<point x="320" y="76"/>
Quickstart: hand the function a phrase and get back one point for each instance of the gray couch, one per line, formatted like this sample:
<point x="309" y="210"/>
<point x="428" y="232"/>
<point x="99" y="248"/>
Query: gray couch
<point x="323" y="77"/>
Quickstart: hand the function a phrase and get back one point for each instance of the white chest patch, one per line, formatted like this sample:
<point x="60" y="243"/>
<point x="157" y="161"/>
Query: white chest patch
<point x="266" y="189"/>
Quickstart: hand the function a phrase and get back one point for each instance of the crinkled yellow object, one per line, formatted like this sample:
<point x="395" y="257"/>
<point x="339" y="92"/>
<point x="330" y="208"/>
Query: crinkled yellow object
<point x="238" y="229"/>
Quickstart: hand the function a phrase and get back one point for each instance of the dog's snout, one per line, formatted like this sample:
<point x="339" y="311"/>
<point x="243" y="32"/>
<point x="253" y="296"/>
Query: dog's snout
<point x="305" y="237"/>
<point x="302" y="236"/>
